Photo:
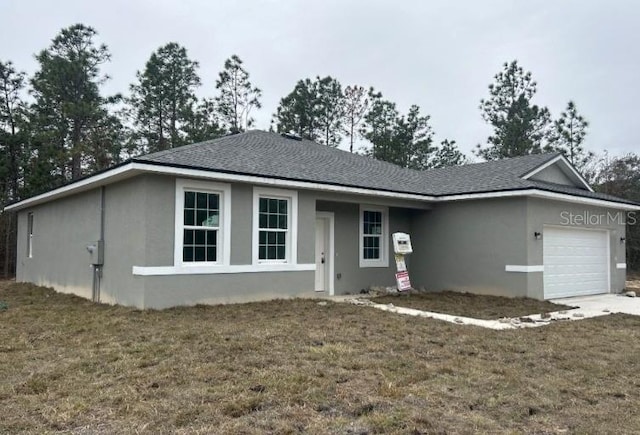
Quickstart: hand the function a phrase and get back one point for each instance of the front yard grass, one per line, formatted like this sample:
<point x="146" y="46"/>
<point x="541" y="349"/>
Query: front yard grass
<point x="470" y="305"/>
<point x="292" y="366"/>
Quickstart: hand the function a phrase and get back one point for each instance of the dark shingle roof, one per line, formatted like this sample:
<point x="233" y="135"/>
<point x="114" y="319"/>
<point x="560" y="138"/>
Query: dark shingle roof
<point x="272" y="155"/>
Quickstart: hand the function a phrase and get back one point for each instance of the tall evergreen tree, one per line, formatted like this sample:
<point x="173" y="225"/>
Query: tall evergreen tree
<point x="203" y="124"/>
<point x="405" y="140"/>
<point x="297" y="111"/>
<point x="68" y="103"/>
<point x="13" y="135"/>
<point x="448" y="154"/>
<point x="568" y="134"/>
<point x="620" y="176"/>
<point x="519" y="127"/>
<point x="379" y="128"/>
<point x="330" y="110"/>
<point x="413" y="139"/>
<point x="237" y="96"/>
<point x="356" y="104"/>
<point x="164" y="97"/>
<point x="314" y="110"/>
<point x="13" y="146"/>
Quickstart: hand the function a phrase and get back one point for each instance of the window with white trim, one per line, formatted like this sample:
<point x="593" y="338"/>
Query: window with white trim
<point x="201" y="226"/>
<point x="30" y="235"/>
<point x="374" y="235"/>
<point x="275" y="226"/>
<point x="202" y="223"/>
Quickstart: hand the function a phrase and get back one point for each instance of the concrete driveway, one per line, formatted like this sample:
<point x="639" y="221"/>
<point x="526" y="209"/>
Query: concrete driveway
<point x="598" y="305"/>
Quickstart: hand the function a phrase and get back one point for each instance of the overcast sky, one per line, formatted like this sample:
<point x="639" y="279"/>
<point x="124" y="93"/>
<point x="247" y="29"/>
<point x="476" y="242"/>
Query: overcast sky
<point x="440" y="55"/>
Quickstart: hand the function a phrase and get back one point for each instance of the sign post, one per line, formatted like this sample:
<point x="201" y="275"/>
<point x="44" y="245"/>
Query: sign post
<point x="402" y="247"/>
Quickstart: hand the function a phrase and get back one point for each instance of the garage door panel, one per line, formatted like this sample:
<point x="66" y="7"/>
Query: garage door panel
<point x="576" y="262"/>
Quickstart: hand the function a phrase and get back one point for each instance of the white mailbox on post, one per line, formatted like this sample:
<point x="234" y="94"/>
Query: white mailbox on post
<point x="402" y="243"/>
<point x="402" y="247"/>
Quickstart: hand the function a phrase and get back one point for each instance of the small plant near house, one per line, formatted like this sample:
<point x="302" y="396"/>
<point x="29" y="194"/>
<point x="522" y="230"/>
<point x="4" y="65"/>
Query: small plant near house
<point x="4" y="306"/>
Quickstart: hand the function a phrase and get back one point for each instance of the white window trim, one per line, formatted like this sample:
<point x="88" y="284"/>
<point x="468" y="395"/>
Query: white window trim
<point x="291" y="256"/>
<point x="224" y="251"/>
<point x="383" y="261"/>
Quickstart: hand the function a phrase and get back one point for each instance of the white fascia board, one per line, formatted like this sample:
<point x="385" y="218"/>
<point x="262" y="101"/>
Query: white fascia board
<point x="133" y="168"/>
<point x="109" y="176"/>
<point x="567" y="164"/>
<point x="536" y="193"/>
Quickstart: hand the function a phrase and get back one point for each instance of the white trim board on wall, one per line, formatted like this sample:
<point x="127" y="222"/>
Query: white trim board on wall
<point x="213" y="270"/>
<point x="525" y="269"/>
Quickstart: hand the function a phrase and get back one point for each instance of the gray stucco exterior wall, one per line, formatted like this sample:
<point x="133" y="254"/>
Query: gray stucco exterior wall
<point x="462" y="245"/>
<point x="62" y="229"/>
<point x="465" y="246"/>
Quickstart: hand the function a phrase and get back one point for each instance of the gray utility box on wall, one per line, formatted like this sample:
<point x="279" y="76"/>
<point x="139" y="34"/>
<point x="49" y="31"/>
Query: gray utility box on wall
<point x="96" y="252"/>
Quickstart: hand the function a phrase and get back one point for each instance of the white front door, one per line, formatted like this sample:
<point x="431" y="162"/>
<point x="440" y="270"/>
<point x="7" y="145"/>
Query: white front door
<point x="576" y="262"/>
<point x="321" y="254"/>
<point x="325" y="223"/>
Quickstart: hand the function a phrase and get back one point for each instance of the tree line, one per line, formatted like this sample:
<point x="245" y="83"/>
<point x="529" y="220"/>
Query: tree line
<point x="57" y="125"/>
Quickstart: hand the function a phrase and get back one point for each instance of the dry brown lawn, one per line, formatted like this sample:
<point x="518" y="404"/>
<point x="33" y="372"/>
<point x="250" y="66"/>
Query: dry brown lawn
<point x="470" y="305"/>
<point x="295" y="366"/>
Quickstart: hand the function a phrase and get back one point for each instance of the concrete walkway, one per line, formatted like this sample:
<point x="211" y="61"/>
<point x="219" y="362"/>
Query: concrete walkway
<point x="586" y="307"/>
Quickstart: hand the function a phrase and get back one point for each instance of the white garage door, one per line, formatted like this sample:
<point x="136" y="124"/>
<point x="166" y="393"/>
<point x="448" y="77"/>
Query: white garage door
<point x="576" y="262"/>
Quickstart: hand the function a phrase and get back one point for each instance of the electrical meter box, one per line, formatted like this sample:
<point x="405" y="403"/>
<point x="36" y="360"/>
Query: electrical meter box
<point x="96" y="252"/>
<point x="402" y="243"/>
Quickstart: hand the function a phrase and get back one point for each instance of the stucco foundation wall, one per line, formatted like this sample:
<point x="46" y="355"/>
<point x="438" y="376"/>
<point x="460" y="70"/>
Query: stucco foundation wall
<point x="169" y="291"/>
<point x="62" y="230"/>
<point x="353" y="278"/>
<point x="464" y="246"/>
<point x="542" y="212"/>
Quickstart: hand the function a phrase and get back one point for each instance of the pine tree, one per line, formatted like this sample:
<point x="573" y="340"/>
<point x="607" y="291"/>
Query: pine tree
<point x="237" y="96"/>
<point x="68" y="103"/>
<point x="13" y="145"/>
<point x="568" y="134"/>
<point x="405" y="140"/>
<point x="519" y="127"/>
<point x="448" y="154"/>
<point x="13" y="134"/>
<point x="164" y="97"/>
<point x="356" y="105"/>
<point x="313" y="110"/>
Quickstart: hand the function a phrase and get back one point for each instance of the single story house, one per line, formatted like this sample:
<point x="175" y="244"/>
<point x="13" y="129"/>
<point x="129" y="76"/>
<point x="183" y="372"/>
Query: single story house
<point x="261" y="215"/>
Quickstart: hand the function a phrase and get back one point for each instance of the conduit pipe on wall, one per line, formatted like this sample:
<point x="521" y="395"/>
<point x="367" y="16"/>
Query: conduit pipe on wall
<point x="97" y="268"/>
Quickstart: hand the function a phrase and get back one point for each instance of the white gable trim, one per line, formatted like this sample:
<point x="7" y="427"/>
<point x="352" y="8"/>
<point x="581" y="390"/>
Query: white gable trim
<point x="567" y="165"/>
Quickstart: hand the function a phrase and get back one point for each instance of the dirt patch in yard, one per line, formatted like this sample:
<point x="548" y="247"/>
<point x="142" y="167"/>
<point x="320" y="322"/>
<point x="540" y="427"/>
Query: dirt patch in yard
<point x="633" y="281"/>
<point x="295" y="366"/>
<point x="470" y="305"/>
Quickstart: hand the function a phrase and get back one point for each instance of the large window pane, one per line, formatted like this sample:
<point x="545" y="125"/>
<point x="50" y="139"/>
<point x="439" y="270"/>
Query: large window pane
<point x="273" y="223"/>
<point x="371" y="234"/>
<point x="202" y="219"/>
